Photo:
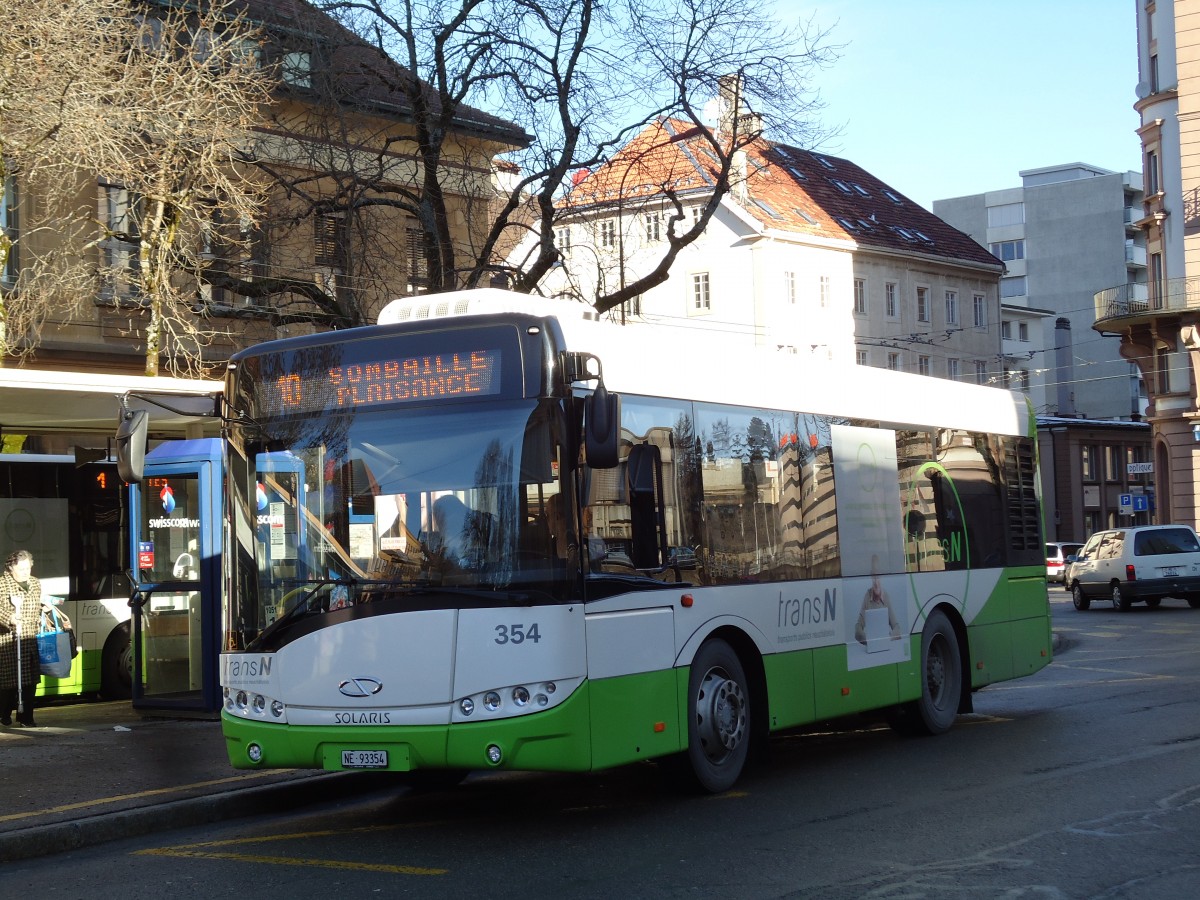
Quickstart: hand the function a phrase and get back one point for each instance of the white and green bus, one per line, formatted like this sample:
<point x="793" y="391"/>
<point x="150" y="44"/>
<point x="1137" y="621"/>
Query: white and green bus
<point x="450" y="547"/>
<point x="69" y="515"/>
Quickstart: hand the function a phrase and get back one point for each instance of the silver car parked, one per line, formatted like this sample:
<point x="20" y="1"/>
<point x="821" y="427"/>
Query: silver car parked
<point x="1132" y="565"/>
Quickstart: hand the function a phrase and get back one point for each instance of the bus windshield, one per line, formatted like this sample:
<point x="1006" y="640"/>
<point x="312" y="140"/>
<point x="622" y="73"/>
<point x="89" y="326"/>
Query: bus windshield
<point x="407" y="505"/>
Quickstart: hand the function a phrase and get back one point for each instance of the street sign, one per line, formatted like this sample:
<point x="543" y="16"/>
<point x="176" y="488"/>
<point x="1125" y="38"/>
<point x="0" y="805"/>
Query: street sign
<point x="1133" y="503"/>
<point x="1139" y="468"/>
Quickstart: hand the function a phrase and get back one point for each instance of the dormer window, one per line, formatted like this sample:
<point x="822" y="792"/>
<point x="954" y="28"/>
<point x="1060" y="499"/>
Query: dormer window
<point x="296" y="69"/>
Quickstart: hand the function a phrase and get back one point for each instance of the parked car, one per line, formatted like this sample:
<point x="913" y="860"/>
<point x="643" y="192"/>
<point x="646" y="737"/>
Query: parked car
<point x="1137" y="565"/>
<point x="1056" y="559"/>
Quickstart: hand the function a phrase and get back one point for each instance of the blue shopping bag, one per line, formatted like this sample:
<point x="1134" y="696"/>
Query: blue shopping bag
<point x="54" y="645"/>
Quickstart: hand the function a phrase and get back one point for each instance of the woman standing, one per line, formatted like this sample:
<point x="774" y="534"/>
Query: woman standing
<point x="20" y="612"/>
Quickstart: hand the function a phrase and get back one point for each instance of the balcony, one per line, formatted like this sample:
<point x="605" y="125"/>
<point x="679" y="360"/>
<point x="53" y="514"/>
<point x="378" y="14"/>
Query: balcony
<point x="1133" y="301"/>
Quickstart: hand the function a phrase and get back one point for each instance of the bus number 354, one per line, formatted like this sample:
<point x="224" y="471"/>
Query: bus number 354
<point x="517" y="634"/>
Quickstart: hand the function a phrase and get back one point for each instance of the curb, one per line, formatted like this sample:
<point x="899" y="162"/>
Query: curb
<point x="59" y="837"/>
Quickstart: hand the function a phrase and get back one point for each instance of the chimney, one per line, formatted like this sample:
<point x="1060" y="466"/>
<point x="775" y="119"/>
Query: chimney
<point x="1064" y="367"/>
<point x="729" y="95"/>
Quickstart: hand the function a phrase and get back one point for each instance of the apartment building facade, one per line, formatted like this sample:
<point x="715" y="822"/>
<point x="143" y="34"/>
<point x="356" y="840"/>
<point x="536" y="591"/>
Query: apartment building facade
<point x="1065" y="233"/>
<point x="1158" y="318"/>
<point x="333" y="149"/>
<point x="808" y="253"/>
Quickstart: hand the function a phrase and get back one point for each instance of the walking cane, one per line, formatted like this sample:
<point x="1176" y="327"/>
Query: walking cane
<point x="17" y="601"/>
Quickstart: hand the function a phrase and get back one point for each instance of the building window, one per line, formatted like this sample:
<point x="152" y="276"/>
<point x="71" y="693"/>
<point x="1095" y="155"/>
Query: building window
<point x="653" y="227"/>
<point x="1162" y="367"/>
<point x="1012" y="287"/>
<point x="1153" y="176"/>
<point x="119" y="209"/>
<point x="1006" y="214"/>
<point x="951" y="307"/>
<point x="894" y="362"/>
<point x="860" y="296"/>
<point x="414" y="251"/>
<point x="953" y="369"/>
<point x="1006" y="330"/>
<point x="8" y="224"/>
<point x="1112" y="463"/>
<point x="1157" y="281"/>
<point x="1154" y="73"/>
<point x="329" y="241"/>
<point x="789" y="287"/>
<point x="296" y="69"/>
<point x="1008" y="250"/>
<point x="979" y="301"/>
<point x="824" y="293"/>
<point x="1087" y="462"/>
<point x="860" y="358"/>
<point x="889" y="299"/>
<point x="562" y="238"/>
<point x="981" y="375"/>
<point x="701" y="299"/>
<point x="922" y="304"/>
<point x="608" y="234"/>
<point x="1023" y="331"/>
<point x="922" y="365"/>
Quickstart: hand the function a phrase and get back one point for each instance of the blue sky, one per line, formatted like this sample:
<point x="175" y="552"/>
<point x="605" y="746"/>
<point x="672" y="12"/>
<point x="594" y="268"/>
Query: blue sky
<point x="941" y="98"/>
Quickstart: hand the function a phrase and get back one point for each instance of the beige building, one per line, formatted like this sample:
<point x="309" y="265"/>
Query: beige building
<point x="1159" y="321"/>
<point x="328" y="251"/>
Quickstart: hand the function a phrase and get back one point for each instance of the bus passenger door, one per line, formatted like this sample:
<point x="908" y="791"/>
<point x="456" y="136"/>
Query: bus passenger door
<point x="175" y="535"/>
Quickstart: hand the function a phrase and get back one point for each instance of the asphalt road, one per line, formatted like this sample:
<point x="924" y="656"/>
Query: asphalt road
<point x="1079" y="782"/>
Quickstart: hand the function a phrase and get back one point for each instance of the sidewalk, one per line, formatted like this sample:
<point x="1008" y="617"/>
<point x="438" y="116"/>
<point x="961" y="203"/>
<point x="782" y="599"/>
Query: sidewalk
<point x="95" y="772"/>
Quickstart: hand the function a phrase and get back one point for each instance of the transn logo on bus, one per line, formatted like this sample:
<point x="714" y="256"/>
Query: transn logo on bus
<point x="250" y="668"/>
<point x="360" y="687"/>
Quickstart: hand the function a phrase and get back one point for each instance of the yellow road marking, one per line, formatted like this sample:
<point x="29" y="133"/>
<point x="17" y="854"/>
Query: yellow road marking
<point x="156" y="792"/>
<point x="187" y="853"/>
<point x="204" y="850"/>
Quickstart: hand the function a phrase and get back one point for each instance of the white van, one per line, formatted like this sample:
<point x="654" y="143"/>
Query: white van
<point x="1143" y="564"/>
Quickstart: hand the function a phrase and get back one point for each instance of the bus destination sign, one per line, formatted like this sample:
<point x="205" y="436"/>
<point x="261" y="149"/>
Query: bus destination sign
<point x="409" y="379"/>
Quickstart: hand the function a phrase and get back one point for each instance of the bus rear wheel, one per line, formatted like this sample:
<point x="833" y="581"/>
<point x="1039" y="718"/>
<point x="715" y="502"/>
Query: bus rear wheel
<point x="941" y="681"/>
<point x="718" y="717"/>
<point x="116" y="665"/>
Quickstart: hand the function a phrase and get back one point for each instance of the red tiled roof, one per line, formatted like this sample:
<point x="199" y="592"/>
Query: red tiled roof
<point x="787" y="189"/>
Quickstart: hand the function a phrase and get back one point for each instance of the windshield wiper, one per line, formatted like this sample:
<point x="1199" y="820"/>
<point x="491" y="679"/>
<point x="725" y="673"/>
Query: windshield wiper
<point x="301" y="607"/>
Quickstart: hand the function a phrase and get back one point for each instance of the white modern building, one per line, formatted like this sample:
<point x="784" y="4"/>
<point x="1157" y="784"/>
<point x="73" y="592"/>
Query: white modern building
<point x="1067" y="232"/>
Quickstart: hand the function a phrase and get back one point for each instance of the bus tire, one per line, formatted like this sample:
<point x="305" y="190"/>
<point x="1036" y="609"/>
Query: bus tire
<point x="116" y="665"/>
<point x="941" y="682"/>
<point x="719" y="719"/>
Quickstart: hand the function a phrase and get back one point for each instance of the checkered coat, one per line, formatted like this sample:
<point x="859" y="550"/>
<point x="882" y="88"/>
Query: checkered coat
<point x="31" y="615"/>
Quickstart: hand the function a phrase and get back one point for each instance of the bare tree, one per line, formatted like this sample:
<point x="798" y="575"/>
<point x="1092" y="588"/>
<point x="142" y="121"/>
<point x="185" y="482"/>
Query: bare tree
<point x="56" y="62"/>
<point x="191" y="89"/>
<point x="580" y="77"/>
<point x="156" y="99"/>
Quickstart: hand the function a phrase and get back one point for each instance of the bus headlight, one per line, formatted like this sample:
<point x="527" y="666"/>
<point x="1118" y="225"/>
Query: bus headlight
<point x="514" y="700"/>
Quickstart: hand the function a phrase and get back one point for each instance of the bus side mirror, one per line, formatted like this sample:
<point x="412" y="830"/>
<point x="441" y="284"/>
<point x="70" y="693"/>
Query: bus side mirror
<point x="131" y="445"/>
<point x="602" y="428"/>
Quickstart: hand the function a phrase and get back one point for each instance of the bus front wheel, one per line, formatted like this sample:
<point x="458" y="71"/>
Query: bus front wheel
<point x="718" y="717"/>
<point x="116" y="665"/>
